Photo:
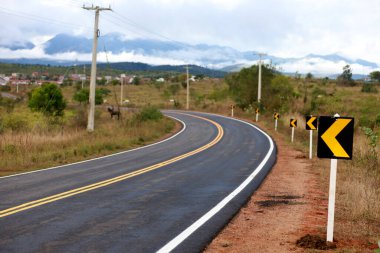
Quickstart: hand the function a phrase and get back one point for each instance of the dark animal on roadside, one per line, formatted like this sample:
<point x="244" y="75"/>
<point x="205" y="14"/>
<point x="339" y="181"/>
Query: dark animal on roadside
<point x="113" y="112"/>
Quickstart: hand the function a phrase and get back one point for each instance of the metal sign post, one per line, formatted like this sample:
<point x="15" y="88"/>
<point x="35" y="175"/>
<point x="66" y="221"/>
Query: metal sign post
<point x="293" y="125"/>
<point x="331" y="208"/>
<point x="257" y="114"/>
<point x="276" y="116"/>
<point x="311" y="145"/>
<point x="335" y="141"/>
<point x="292" y="138"/>
<point x="311" y="125"/>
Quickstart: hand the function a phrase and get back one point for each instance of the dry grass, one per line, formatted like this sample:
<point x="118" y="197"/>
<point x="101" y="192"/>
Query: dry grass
<point x="35" y="149"/>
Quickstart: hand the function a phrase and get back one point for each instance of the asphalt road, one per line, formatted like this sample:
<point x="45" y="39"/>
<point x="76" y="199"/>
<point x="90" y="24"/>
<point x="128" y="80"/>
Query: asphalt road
<point x="172" y="196"/>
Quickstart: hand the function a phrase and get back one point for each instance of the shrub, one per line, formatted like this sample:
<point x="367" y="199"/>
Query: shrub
<point x="5" y="88"/>
<point x="15" y="122"/>
<point x="369" y="88"/>
<point x="82" y="95"/>
<point x="48" y="99"/>
<point x="149" y="113"/>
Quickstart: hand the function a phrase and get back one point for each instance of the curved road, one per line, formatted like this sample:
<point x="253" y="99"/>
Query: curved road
<point x="175" y="195"/>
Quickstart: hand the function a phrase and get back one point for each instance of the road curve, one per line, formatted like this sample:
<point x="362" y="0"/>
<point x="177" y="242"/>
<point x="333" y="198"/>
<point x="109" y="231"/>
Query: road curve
<point x="172" y="196"/>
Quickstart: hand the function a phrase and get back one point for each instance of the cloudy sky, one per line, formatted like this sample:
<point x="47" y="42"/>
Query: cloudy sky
<point x="284" y="28"/>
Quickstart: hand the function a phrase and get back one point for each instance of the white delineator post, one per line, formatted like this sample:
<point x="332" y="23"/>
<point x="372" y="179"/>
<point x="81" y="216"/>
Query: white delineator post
<point x="275" y="124"/>
<point x="257" y="117"/>
<point x="232" y="111"/>
<point x="311" y="145"/>
<point x="292" y="134"/>
<point x="332" y="189"/>
<point x="331" y="210"/>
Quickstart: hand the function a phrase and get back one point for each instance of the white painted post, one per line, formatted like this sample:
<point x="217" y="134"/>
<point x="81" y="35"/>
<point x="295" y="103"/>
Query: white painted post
<point x="292" y="134"/>
<point x="257" y="117"/>
<point x="275" y="124"/>
<point x="232" y="111"/>
<point x="331" y="210"/>
<point x="311" y="145"/>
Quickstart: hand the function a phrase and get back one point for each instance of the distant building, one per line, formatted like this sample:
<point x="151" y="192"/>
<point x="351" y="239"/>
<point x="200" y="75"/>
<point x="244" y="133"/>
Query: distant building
<point x="160" y="80"/>
<point x="192" y="78"/>
<point x="15" y="75"/>
<point x="20" y="82"/>
<point x="3" y="80"/>
<point x="108" y="78"/>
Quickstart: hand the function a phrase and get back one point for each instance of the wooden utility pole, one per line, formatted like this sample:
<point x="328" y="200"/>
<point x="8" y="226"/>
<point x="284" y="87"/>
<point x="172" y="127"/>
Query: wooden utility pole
<point x="84" y="77"/>
<point x="122" y="78"/>
<point x="91" y="113"/>
<point x="259" y="85"/>
<point x="187" y="88"/>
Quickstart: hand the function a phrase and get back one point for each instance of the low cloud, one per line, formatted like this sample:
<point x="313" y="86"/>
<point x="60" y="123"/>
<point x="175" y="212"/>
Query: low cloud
<point x="213" y="58"/>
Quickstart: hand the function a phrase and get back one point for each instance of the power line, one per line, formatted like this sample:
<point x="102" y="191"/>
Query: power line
<point x="45" y="20"/>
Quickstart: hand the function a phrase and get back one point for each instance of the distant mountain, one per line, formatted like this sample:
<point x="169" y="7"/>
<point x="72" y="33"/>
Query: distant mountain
<point x="135" y="66"/>
<point x="123" y="66"/>
<point x="157" y="52"/>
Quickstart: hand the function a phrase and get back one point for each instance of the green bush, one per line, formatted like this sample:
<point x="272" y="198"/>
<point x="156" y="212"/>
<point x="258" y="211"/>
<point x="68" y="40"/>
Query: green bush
<point x="48" y="99"/>
<point x="15" y="122"/>
<point x="5" y="88"/>
<point x="369" y="88"/>
<point x="82" y="95"/>
<point x="149" y="113"/>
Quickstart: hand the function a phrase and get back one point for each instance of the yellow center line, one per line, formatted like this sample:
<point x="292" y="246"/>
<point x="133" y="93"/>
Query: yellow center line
<point x="110" y="181"/>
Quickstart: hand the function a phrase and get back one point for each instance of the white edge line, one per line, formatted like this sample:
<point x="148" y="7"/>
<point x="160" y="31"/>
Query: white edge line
<point x="197" y="224"/>
<point x="97" y="158"/>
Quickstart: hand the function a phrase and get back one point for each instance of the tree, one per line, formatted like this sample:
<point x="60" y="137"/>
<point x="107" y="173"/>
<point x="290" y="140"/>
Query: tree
<point x="115" y="82"/>
<point x="243" y="85"/>
<point x="47" y="99"/>
<point x="82" y="96"/>
<point x="346" y="77"/>
<point x="173" y="89"/>
<point x="102" y="81"/>
<point x="136" y="80"/>
<point x="375" y="76"/>
<point x="282" y="94"/>
<point x="309" y="76"/>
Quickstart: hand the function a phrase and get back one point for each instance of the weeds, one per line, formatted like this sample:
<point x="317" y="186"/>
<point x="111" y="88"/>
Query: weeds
<point x="44" y="146"/>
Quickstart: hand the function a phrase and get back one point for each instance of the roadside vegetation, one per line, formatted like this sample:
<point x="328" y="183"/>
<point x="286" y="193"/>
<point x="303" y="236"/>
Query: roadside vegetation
<point x="357" y="216"/>
<point x="48" y="128"/>
<point x="34" y="137"/>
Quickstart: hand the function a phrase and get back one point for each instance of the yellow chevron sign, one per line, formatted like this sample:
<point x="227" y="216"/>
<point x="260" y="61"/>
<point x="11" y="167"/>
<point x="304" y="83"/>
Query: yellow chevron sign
<point x="276" y="115"/>
<point x="257" y="110"/>
<point x="311" y="122"/>
<point x="293" y="123"/>
<point x="335" y="137"/>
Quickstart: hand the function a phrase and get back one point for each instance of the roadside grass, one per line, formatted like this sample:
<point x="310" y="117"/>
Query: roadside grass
<point x="357" y="215"/>
<point x="39" y="144"/>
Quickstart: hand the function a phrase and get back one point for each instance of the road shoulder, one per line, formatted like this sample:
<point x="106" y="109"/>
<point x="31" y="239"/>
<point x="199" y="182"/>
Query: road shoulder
<point x="287" y="206"/>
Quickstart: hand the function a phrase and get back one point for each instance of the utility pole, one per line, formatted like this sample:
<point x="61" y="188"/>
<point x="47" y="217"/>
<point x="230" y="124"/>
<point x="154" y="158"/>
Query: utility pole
<point x="84" y="77"/>
<point x="122" y="78"/>
<point x="91" y="113"/>
<point x="187" y="88"/>
<point x="259" y="86"/>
